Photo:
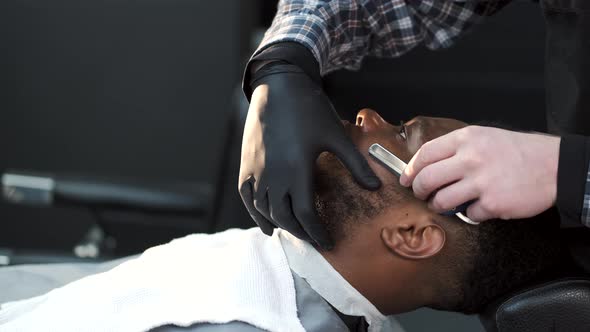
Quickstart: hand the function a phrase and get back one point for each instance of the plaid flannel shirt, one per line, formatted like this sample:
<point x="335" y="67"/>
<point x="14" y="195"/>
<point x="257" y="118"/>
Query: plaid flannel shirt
<point x="340" y="33"/>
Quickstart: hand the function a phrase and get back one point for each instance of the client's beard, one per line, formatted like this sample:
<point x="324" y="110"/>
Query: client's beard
<point x="340" y="202"/>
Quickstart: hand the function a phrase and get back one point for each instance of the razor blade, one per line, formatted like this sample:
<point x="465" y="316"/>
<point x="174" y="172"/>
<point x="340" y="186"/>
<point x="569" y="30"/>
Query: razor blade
<point x="397" y="166"/>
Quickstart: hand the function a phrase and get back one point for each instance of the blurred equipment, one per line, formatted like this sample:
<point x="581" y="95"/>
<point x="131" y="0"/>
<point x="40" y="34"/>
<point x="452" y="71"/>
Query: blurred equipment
<point x="129" y="107"/>
<point x="97" y="195"/>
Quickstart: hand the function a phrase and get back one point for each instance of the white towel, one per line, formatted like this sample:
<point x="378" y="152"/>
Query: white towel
<point x="310" y="265"/>
<point x="231" y="276"/>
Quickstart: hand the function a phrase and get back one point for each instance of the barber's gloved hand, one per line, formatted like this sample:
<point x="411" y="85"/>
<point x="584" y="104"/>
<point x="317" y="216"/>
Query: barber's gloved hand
<point x="508" y="174"/>
<point x="290" y="122"/>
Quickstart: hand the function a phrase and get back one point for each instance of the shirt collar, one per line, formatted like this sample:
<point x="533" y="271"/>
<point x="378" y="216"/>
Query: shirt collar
<point x="309" y="264"/>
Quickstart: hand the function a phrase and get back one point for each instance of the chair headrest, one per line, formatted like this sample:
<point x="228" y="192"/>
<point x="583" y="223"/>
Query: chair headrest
<point x="561" y="305"/>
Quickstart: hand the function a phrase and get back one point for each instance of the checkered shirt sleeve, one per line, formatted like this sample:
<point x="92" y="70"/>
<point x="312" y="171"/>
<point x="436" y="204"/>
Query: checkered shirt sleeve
<point x="340" y="33"/>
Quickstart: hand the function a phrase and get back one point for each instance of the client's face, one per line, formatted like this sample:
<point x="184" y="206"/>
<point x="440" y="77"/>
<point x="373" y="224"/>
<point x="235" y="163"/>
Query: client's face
<point x="402" y="256"/>
<point x="387" y="230"/>
<point x="340" y="198"/>
<point x="403" y="140"/>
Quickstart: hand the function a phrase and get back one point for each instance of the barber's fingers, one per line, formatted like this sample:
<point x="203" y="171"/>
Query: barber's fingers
<point x="304" y="210"/>
<point x="355" y="162"/>
<point x="261" y="200"/>
<point x="438" y="149"/>
<point x="247" y="193"/>
<point x="478" y="212"/>
<point x="437" y="175"/>
<point x="281" y="212"/>
<point x="453" y="195"/>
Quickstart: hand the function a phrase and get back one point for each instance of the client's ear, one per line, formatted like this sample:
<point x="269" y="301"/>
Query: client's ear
<point x="417" y="238"/>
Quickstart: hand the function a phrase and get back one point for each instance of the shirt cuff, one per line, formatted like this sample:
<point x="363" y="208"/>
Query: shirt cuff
<point x="286" y="52"/>
<point x="572" y="176"/>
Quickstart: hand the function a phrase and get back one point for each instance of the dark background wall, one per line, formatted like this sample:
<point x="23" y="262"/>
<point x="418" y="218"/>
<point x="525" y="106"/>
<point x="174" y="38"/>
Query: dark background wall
<point x="115" y="88"/>
<point x="494" y="73"/>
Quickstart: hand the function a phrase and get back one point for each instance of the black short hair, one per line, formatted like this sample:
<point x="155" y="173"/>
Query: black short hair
<point x="505" y="255"/>
<point x="342" y="204"/>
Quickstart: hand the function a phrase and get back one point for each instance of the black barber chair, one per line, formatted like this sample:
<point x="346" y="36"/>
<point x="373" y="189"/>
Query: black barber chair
<point x="558" y="306"/>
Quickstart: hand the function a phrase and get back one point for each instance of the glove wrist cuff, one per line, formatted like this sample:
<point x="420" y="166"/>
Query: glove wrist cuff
<point x="273" y="68"/>
<point x="282" y="53"/>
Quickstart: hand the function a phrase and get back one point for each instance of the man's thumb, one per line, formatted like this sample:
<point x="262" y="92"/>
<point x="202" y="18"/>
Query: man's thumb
<point x="356" y="163"/>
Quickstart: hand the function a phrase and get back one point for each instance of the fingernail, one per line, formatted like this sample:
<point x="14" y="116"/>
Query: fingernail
<point x="403" y="180"/>
<point x="375" y="183"/>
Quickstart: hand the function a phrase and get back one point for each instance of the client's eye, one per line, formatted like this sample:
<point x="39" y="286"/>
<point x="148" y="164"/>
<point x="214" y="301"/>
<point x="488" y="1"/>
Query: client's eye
<point x="402" y="130"/>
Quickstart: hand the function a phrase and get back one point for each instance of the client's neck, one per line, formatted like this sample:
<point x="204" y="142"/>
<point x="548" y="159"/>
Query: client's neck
<point x="392" y="284"/>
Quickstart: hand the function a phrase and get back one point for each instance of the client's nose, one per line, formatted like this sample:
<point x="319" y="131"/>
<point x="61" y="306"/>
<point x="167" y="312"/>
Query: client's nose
<point x="369" y="120"/>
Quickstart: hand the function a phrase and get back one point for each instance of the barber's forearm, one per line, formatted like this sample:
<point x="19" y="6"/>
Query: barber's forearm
<point x="573" y="187"/>
<point x="340" y="33"/>
<point x="302" y="22"/>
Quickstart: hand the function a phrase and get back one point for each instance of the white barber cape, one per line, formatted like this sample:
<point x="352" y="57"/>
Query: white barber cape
<point x="237" y="275"/>
<point x="231" y="276"/>
<point x="310" y="265"/>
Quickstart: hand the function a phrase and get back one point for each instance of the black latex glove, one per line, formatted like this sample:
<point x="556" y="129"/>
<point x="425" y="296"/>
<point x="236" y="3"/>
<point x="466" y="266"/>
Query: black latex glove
<point x="290" y="122"/>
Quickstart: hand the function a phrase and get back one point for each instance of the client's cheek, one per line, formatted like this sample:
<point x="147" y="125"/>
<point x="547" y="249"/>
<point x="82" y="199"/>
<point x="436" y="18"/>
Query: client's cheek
<point x="415" y="143"/>
<point x="382" y="173"/>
